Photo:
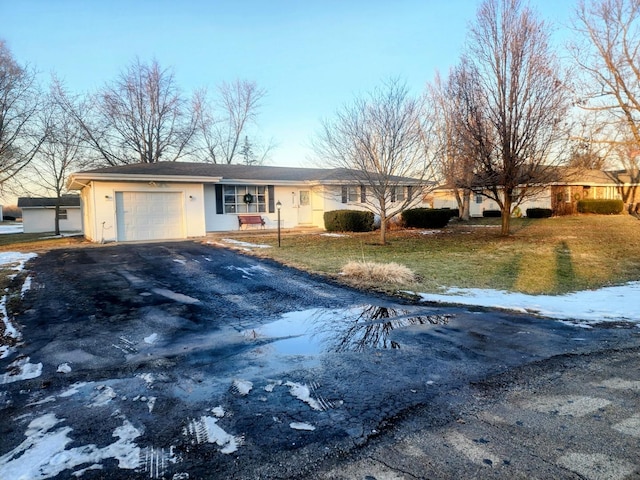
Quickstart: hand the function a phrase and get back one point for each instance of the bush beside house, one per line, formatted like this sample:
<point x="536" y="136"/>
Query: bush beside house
<point x="348" y="221"/>
<point x="427" y="217"/>
<point x="601" y="207"/>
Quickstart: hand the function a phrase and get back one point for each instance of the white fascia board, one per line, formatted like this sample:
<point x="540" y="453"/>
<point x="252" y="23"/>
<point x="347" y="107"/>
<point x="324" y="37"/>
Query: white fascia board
<point x="79" y="180"/>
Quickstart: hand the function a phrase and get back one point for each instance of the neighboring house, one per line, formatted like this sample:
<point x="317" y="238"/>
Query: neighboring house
<point x="561" y="197"/>
<point x="38" y="214"/>
<point x="175" y="200"/>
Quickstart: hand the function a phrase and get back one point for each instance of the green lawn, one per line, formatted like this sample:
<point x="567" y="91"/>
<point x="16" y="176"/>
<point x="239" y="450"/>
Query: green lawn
<point x="552" y="256"/>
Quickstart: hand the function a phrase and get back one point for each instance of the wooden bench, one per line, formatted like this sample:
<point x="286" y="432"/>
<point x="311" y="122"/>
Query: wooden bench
<point x="250" y="220"/>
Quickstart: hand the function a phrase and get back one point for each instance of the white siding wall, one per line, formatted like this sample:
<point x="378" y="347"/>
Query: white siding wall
<point x="39" y="220"/>
<point x="102" y="226"/>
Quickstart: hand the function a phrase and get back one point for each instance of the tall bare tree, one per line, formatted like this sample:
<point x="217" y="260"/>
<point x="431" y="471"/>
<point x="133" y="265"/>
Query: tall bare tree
<point x="380" y="140"/>
<point x="225" y="121"/>
<point x="609" y="53"/>
<point x="141" y="117"/>
<point x="60" y="153"/>
<point x="520" y="89"/>
<point x="459" y="131"/>
<point x="19" y="105"/>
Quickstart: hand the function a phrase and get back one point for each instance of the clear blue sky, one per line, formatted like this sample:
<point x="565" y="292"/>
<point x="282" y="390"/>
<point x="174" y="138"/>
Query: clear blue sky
<point x="311" y="56"/>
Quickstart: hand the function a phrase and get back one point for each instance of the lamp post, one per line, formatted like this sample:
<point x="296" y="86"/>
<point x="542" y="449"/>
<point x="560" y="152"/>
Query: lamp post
<point x="278" y="206"/>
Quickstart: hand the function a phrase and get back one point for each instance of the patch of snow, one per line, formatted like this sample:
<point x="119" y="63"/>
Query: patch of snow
<point x="13" y="228"/>
<point x="302" y="393"/>
<point x="147" y="377"/>
<point x="206" y="429"/>
<point x="244" y="244"/>
<point x="73" y="389"/>
<point x="9" y="329"/>
<point x="248" y="272"/>
<point x="64" y="368"/>
<point x="431" y="232"/>
<point x="151" y="339"/>
<point x="302" y="426"/>
<point x="218" y="411"/>
<point x="611" y="304"/>
<point x="336" y="235"/>
<point x="177" y="297"/>
<point x="26" y="286"/>
<point x="243" y="387"/>
<point x="269" y="387"/>
<point x="104" y="396"/>
<point x="43" y="455"/>
<point x="151" y="402"/>
<point x="17" y="259"/>
<point x="21" y="369"/>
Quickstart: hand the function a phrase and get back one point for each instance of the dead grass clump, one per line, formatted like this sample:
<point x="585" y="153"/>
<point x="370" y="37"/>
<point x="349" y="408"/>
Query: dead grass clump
<point x="372" y="272"/>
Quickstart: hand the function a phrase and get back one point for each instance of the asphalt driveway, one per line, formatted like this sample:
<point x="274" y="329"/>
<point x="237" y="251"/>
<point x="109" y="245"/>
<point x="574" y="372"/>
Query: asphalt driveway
<point x="184" y="360"/>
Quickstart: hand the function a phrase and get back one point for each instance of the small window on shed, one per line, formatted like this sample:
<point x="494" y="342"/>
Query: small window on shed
<point x="62" y="214"/>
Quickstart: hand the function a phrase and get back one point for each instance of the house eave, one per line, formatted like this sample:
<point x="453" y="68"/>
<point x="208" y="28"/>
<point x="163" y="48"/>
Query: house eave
<point x="78" y="181"/>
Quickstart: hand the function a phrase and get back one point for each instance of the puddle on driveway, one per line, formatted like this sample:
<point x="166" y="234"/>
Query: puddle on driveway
<point x="317" y="331"/>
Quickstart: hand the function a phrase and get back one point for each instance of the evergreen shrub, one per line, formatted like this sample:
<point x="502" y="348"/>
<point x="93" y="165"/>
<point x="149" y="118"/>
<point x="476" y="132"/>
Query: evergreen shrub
<point x="601" y="207"/>
<point x="427" y="217"/>
<point x="539" y="212"/>
<point x="348" y="221"/>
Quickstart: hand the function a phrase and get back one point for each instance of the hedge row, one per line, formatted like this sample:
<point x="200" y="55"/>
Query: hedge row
<point x="428" y="217"/>
<point x="539" y="212"/>
<point x="602" y="207"/>
<point x="491" y="213"/>
<point x="348" y="221"/>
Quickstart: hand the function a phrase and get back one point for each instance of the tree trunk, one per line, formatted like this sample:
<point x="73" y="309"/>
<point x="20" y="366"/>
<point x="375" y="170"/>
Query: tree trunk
<point x="57" y="218"/>
<point x="383" y="230"/>
<point x="465" y="213"/>
<point x="506" y="215"/>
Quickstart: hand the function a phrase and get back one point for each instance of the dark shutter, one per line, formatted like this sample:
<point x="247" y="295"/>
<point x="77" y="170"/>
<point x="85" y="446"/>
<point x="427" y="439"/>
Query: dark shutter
<point x="393" y="194"/>
<point x="409" y="192"/>
<point x="363" y="194"/>
<point x="345" y="193"/>
<point x="271" y="197"/>
<point x="219" y="201"/>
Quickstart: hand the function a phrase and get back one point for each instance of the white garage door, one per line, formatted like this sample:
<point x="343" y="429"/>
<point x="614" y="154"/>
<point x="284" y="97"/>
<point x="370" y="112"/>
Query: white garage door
<point x="149" y="215"/>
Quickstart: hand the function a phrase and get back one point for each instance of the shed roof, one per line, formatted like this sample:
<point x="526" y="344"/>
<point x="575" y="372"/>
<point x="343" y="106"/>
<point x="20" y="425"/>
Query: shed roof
<point x="35" y="202"/>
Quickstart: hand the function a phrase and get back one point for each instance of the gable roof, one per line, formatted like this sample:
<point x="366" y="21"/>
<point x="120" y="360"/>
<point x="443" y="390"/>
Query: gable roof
<point x="215" y="173"/>
<point x="35" y="202"/>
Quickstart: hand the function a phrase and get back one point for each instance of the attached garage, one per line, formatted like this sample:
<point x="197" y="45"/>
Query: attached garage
<point x="150" y="216"/>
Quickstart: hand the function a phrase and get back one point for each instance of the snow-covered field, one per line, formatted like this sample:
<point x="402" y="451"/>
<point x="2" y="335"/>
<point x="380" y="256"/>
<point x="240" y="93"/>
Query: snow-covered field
<point x="11" y="228"/>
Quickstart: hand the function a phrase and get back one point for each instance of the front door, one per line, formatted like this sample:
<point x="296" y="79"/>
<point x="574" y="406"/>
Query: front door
<point x="304" y="207"/>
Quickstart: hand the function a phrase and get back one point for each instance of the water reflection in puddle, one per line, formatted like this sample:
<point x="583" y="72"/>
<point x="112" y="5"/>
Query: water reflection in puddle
<point x="316" y="331"/>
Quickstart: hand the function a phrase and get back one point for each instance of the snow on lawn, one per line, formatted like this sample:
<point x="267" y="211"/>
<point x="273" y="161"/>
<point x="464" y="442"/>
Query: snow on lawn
<point x="239" y="244"/>
<point x="11" y="228"/>
<point x="608" y="304"/>
<point x="12" y="261"/>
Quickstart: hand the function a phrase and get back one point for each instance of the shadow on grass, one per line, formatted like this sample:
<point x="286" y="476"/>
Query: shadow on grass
<point x="565" y="273"/>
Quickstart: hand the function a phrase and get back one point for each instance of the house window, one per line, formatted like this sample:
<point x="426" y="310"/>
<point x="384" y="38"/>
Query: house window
<point x="350" y="194"/>
<point x="479" y="198"/>
<point x="62" y="214"/>
<point x="397" y="194"/>
<point x="236" y="196"/>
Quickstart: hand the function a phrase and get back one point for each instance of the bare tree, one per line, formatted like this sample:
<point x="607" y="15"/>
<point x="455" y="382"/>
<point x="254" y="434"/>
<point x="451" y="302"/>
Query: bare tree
<point x="609" y="55"/>
<point x="459" y="132"/>
<point x="518" y="84"/>
<point x="141" y="117"/>
<point x="380" y="141"/>
<point x="226" y="120"/>
<point x="19" y="105"/>
<point x="60" y="153"/>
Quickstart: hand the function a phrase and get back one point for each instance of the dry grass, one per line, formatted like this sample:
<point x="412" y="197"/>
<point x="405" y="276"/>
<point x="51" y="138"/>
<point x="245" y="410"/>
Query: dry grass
<point x="372" y="273"/>
<point x="541" y="256"/>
